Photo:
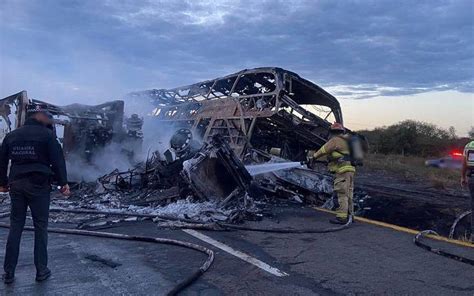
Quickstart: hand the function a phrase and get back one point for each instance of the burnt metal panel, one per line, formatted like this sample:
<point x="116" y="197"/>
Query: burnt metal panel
<point x="13" y="108"/>
<point x="84" y="126"/>
<point x="254" y="108"/>
<point x="215" y="173"/>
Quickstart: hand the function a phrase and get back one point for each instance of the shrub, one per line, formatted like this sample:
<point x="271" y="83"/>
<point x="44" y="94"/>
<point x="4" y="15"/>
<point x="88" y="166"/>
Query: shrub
<point x="411" y="137"/>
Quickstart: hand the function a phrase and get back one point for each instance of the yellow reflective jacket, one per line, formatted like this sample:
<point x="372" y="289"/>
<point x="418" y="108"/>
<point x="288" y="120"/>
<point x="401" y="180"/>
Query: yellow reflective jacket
<point x="335" y="149"/>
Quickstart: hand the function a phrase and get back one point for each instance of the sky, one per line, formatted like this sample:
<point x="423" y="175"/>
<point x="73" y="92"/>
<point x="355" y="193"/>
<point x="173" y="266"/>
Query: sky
<point x="385" y="61"/>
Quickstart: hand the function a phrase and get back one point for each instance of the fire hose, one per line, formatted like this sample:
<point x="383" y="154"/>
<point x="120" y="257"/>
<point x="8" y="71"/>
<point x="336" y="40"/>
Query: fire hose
<point x="458" y="219"/>
<point x="201" y="225"/>
<point x="176" y="289"/>
<point x="190" y="224"/>
<point x="287" y="230"/>
<point x="419" y="243"/>
<point x="194" y="224"/>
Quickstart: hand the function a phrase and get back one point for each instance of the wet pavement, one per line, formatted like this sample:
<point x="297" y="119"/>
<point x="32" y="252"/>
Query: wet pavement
<point x="363" y="260"/>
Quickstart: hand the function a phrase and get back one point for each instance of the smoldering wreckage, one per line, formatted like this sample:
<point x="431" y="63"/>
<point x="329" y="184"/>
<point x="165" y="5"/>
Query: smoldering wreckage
<point x="229" y="138"/>
<point x="208" y="155"/>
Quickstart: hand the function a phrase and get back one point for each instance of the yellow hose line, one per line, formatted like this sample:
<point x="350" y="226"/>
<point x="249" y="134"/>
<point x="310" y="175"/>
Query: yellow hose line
<point x="403" y="229"/>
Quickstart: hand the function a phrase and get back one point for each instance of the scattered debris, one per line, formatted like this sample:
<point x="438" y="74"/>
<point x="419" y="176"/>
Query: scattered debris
<point x="222" y="128"/>
<point x="215" y="173"/>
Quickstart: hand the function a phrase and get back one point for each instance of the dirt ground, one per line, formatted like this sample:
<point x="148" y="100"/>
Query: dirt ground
<point x="404" y="192"/>
<point x="413" y="169"/>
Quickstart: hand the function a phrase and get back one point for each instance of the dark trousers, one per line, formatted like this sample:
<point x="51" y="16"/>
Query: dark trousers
<point x="35" y="194"/>
<point x="471" y="189"/>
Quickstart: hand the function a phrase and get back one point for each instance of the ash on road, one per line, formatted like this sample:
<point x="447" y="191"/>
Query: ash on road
<point x="362" y="260"/>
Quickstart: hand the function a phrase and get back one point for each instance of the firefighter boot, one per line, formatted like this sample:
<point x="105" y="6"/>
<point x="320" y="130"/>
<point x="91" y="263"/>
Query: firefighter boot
<point x="338" y="220"/>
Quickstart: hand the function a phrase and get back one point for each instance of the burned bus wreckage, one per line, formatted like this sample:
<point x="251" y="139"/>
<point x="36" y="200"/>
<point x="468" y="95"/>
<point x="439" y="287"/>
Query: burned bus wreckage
<point x="207" y="156"/>
<point x="224" y="138"/>
<point x="265" y="115"/>
<point x="82" y="129"/>
<point x="258" y="109"/>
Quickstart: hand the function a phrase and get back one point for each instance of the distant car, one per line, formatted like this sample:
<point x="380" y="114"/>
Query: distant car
<point x="452" y="161"/>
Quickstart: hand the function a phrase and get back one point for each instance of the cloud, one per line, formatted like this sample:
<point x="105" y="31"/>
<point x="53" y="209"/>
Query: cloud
<point x="98" y="50"/>
<point x="368" y="91"/>
<point x="199" y="13"/>
<point x="205" y="13"/>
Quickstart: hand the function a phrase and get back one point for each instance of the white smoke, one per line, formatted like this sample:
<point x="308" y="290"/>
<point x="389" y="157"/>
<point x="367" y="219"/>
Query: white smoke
<point x="103" y="161"/>
<point x="156" y="137"/>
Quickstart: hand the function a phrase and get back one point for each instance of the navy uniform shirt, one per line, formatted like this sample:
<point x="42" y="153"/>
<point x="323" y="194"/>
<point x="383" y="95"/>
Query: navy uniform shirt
<point x="32" y="148"/>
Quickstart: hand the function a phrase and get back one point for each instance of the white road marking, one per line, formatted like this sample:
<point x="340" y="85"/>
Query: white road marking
<point x="238" y="254"/>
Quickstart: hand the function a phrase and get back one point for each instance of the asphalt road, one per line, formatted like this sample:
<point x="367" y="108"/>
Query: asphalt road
<point x="363" y="260"/>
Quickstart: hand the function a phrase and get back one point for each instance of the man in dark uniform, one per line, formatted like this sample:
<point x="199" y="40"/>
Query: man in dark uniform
<point x="35" y="156"/>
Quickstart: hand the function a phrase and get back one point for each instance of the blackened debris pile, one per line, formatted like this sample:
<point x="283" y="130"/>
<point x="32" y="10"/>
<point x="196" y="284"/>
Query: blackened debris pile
<point x="210" y="174"/>
<point x="216" y="173"/>
<point x="220" y="125"/>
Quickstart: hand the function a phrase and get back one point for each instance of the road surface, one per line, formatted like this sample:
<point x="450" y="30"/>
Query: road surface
<point x="363" y="260"/>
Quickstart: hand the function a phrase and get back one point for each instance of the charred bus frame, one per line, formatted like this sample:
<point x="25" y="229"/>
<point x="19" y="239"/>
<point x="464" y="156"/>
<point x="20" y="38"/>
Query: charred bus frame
<point x="260" y="108"/>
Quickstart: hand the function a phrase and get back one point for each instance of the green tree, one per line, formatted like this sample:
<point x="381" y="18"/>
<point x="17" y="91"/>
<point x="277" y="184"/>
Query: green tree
<point x="411" y="137"/>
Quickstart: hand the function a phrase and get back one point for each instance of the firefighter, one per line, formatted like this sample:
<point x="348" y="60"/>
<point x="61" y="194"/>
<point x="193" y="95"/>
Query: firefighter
<point x="468" y="172"/>
<point x="337" y="153"/>
<point x="35" y="156"/>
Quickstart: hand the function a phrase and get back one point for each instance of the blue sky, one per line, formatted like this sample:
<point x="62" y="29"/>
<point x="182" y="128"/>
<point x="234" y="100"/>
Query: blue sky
<point x="92" y="51"/>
